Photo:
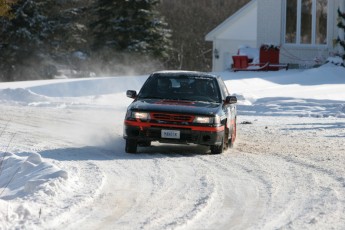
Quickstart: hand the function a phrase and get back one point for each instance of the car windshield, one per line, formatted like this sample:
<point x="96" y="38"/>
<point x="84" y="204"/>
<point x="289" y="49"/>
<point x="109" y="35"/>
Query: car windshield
<point x="189" y="88"/>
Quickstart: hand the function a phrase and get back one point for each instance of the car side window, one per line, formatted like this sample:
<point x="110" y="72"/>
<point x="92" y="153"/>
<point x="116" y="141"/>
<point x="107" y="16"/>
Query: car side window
<point x="223" y="89"/>
<point x="149" y="88"/>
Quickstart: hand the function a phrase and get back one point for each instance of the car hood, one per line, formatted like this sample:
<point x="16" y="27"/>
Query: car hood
<point x="176" y="106"/>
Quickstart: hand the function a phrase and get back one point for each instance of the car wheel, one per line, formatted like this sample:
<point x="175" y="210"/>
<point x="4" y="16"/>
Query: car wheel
<point x="217" y="149"/>
<point x="131" y="146"/>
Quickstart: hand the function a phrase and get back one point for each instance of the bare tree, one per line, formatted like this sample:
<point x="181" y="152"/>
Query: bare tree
<point x="5" y="8"/>
<point x="190" y="21"/>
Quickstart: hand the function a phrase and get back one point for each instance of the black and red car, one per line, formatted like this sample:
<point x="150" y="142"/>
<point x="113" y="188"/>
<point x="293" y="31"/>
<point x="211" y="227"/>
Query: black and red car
<point x="181" y="107"/>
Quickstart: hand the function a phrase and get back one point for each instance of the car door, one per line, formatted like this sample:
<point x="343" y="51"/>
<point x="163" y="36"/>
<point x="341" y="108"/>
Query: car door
<point x="229" y="109"/>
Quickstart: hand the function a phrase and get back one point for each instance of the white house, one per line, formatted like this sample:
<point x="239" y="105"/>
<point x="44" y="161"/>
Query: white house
<point x="305" y="30"/>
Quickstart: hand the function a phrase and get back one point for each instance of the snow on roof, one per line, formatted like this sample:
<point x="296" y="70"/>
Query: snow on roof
<point x="225" y="24"/>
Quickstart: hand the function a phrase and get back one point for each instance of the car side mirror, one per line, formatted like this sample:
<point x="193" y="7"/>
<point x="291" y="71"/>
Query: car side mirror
<point x="131" y="93"/>
<point x="231" y="100"/>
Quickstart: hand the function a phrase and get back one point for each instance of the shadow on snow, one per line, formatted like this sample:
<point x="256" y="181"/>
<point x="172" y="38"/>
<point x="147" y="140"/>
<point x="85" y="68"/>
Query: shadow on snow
<point x="117" y="152"/>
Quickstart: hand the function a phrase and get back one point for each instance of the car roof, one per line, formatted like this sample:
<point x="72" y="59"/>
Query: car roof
<point x="176" y="73"/>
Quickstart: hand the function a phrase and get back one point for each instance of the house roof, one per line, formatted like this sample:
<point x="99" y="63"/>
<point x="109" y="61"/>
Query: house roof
<point x="225" y="24"/>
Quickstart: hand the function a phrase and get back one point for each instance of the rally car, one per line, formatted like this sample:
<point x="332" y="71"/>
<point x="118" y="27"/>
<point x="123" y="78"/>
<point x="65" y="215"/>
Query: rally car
<point x="181" y="107"/>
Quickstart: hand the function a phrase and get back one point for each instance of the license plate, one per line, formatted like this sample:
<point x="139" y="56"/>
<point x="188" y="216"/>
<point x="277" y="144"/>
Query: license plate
<point x="173" y="134"/>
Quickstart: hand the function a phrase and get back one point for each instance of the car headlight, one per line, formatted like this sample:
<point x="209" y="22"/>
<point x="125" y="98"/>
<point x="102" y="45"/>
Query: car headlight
<point x="141" y="115"/>
<point x="207" y="120"/>
<point x="203" y="120"/>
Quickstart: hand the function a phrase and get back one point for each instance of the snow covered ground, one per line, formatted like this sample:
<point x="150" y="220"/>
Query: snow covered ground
<point x="63" y="164"/>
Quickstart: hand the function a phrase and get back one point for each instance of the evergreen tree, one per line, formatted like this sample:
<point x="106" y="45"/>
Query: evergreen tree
<point x="71" y="20"/>
<point x="131" y="26"/>
<point x="40" y="34"/>
<point x="22" y="39"/>
<point x="69" y="41"/>
<point x="341" y="25"/>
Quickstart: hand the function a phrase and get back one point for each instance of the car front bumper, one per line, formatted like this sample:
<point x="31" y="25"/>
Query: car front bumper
<point x="192" y="134"/>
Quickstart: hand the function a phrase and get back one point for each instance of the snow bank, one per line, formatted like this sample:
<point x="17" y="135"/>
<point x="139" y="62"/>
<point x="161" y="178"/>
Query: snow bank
<point x="23" y="178"/>
<point x="315" y="92"/>
<point x="25" y="173"/>
<point x="33" y="190"/>
<point x="336" y="61"/>
<point x="89" y="87"/>
<point x="20" y="96"/>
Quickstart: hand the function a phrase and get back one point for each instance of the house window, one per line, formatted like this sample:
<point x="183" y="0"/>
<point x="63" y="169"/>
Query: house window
<point x="291" y="21"/>
<point x="321" y="22"/>
<point x="306" y="22"/>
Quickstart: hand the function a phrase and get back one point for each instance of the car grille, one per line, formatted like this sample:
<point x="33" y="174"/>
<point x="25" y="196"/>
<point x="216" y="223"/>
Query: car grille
<point x="172" y="117"/>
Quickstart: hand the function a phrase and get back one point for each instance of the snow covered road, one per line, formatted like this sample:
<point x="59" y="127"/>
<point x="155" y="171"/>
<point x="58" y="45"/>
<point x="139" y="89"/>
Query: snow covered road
<point x="285" y="171"/>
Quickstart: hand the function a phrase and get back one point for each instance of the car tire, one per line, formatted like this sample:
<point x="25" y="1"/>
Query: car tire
<point x="131" y="146"/>
<point x="217" y="149"/>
